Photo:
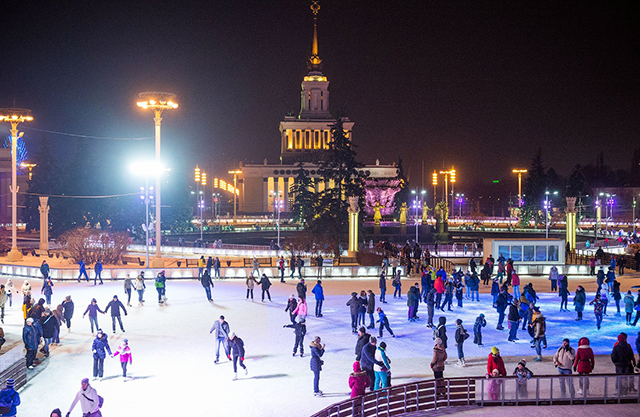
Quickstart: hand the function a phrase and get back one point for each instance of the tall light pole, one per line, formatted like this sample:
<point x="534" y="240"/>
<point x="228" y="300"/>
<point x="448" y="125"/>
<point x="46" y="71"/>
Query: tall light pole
<point x="277" y="206"/>
<point x="434" y="182"/>
<point x="417" y="203"/>
<point x="203" y="182"/>
<point x="633" y="216"/>
<point x="460" y="200"/>
<point x="146" y="194"/>
<point x="598" y="216"/>
<point x="547" y="206"/>
<point x="235" y="173"/>
<point x="449" y="175"/>
<point x="519" y="172"/>
<point x="14" y="117"/>
<point x="158" y="102"/>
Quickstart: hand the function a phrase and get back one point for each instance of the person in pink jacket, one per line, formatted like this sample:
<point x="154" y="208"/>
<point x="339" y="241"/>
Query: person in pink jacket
<point x="301" y="310"/>
<point x="125" y="356"/>
<point x="358" y="380"/>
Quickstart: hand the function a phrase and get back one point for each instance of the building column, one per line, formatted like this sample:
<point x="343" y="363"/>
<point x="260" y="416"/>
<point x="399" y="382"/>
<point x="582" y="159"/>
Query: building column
<point x="571" y="222"/>
<point x="44" y="223"/>
<point x="354" y="211"/>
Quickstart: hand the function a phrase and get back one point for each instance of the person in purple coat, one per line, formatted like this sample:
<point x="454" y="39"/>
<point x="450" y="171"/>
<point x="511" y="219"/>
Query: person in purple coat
<point x="93" y="310"/>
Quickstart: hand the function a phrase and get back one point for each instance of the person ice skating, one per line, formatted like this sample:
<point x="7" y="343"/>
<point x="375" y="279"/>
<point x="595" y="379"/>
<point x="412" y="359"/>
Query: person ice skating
<point x="431" y="306"/>
<point x="598" y="306"/>
<point x="31" y="341"/>
<point x="201" y="264"/>
<point x="583" y="364"/>
<point x="281" y="268"/>
<point x="67" y="308"/>
<point x="216" y="268"/>
<point x="220" y="330"/>
<point x="115" y="305"/>
<point x="301" y="288"/>
<point x="11" y="289"/>
<point x="448" y="296"/>
<point x="397" y="285"/>
<point x="381" y="372"/>
<point x="413" y="299"/>
<point x="384" y="322"/>
<point x="495" y="370"/>
<point x="93" y="310"/>
<point x="49" y="325"/>
<point x="636" y="307"/>
<point x="250" y="283"/>
<point x="318" y="291"/>
<point x="617" y="296"/>
<point x="382" y="284"/>
<point x="37" y="310"/>
<point x="3" y="302"/>
<point x="563" y="360"/>
<point x="363" y="339"/>
<point x="140" y="287"/>
<point x="358" y="380"/>
<point x="539" y="332"/>
<point x="300" y="330"/>
<point x="317" y="350"/>
<point x="370" y="308"/>
<point x="292" y="304"/>
<point x="513" y="320"/>
<point x="292" y="266"/>
<point x="98" y="272"/>
<point x="47" y="290"/>
<point x="302" y="309"/>
<point x="458" y="290"/>
<point x="368" y="359"/>
<point x="628" y="307"/>
<point x="501" y="303"/>
<point x="256" y="266"/>
<point x="90" y="401"/>
<point x="160" y="284"/>
<point x="127" y="289"/>
<point x="441" y="331"/>
<point x="209" y="265"/>
<point x="354" y="308"/>
<point x="99" y="348"/>
<point x="460" y="336"/>
<point x="265" y="284"/>
<point x="9" y="399"/>
<point x="439" y="358"/>
<point x="579" y="300"/>
<point x="553" y="277"/>
<point x="58" y="314"/>
<point x="125" y="356"/>
<point x="563" y="290"/>
<point x="236" y="345"/>
<point x="205" y="280"/>
<point x="624" y="361"/>
<point x="83" y="270"/>
<point x="523" y="374"/>
<point x="477" y="329"/>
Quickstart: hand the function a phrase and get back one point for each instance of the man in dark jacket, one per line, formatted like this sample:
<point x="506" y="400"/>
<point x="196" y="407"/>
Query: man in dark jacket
<point x="301" y="287"/>
<point x="292" y="304"/>
<point x="68" y="307"/>
<point x="237" y="348"/>
<point x="265" y="285"/>
<point x="363" y="339"/>
<point x="220" y="330"/>
<point x="624" y="361"/>
<point x="514" y="321"/>
<point x="31" y="341"/>
<point x="300" y="330"/>
<point x="37" y="310"/>
<point x="115" y="305"/>
<point x="206" y="282"/>
<point x="49" y="326"/>
<point x="431" y="305"/>
<point x="441" y="331"/>
<point x="413" y="300"/>
<point x="501" y="305"/>
<point x="354" y="308"/>
<point x="371" y="307"/>
<point x="100" y="348"/>
<point x="368" y="359"/>
<point x="98" y="271"/>
<point x="382" y="284"/>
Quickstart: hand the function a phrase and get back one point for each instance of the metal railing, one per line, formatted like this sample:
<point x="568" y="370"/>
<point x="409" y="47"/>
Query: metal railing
<point x="433" y="394"/>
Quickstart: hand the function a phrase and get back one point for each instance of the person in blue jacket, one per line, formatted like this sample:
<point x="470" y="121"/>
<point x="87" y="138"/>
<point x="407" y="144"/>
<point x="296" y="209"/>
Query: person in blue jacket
<point x="317" y="350"/>
<point x="10" y="398"/>
<point x="31" y="341"/>
<point x="98" y="270"/>
<point x="83" y="270"/>
<point x="47" y="290"/>
<point x="318" y="291"/>
<point x="100" y="348"/>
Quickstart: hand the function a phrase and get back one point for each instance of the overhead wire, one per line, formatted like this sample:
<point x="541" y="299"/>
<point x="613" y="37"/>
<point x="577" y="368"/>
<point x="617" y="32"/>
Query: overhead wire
<point x="84" y="136"/>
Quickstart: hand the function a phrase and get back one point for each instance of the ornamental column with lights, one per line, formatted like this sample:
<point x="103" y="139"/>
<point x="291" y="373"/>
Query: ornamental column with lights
<point x="14" y="117"/>
<point x="157" y="102"/>
<point x="354" y="210"/>
<point x="519" y="172"/>
<point x="44" y="223"/>
<point x="571" y="222"/>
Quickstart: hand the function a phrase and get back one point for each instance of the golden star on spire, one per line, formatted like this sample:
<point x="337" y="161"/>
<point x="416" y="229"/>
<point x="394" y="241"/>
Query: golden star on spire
<point x="315" y="7"/>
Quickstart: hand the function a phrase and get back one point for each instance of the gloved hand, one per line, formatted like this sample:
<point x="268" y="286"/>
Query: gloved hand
<point x="68" y="414"/>
<point x="94" y="351"/>
<point x="229" y="357"/>
<point x="126" y="314"/>
<point x="242" y="359"/>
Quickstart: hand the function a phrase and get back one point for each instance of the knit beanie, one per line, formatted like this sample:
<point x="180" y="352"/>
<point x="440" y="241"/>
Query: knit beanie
<point x="495" y="350"/>
<point x="10" y="382"/>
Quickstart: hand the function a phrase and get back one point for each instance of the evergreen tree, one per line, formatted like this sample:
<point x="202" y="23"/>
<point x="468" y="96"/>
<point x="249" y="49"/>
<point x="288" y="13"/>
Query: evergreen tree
<point x="534" y="188"/>
<point x="304" y="200"/>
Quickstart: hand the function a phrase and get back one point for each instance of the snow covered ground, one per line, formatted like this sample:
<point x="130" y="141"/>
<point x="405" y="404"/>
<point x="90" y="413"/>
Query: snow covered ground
<point x="173" y="352"/>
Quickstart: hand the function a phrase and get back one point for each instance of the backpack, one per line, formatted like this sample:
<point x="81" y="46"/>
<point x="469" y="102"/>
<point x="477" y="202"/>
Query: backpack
<point x="100" y="400"/>
<point x="5" y="407"/>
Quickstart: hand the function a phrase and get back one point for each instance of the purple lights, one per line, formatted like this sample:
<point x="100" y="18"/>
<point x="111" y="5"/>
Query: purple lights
<point x="383" y="192"/>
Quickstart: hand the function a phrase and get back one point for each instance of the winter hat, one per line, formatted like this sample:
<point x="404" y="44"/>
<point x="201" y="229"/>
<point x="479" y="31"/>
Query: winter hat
<point x="356" y="366"/>
<point x="30" y="320"/>
<point x="10" y="383"/>
<point x="85" y="380"/>
<point x="383" y="345"/>
<point x="100" y="332"/>
<point x="232" y="335"/>
<point x="362" y="329"/>
<point x="536" y="309"/>
<point x="622" y="337"/>
<point x="438" y="341"/>
<point x="583" y="341"/>
<point x="495" y="350"/>
<point x="125" y="341"/>
<point x="481" y="315"/>
<point x="458" y="322"/>
<point x="566" y="340"/>
<point x="115" y="296"/>
<point x="292" y="296"/>
<point x="522" y="362"/>
<point x="56" y="412"/>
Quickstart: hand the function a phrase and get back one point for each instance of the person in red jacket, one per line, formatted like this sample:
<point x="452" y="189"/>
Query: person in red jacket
<point x="438" y="284"/>
<point x="358" y="380"/>
<point x="584" y="364"/>
<point x="495" y="369"/>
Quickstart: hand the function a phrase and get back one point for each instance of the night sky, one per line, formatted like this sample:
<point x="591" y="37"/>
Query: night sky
<point x="478" y="84"/>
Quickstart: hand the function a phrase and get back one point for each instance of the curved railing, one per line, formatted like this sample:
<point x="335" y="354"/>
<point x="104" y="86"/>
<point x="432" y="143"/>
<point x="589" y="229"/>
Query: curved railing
<point x="433" y="394"/>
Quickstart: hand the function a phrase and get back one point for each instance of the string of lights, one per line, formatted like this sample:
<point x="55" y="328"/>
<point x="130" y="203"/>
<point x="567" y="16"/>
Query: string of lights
<point x="79" y="196"/>
<point x="75" y="135"/>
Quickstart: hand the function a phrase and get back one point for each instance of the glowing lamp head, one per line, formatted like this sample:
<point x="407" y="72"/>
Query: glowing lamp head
<point x="434" y="178"/>
<point x="157" y="101"/>
<point x="13" y="115"/>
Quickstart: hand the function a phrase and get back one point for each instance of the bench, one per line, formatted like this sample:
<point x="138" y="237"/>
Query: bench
<point x="40" y="252"/>
<point x="191" y="263"/>
<point x="261" y="261"/>
<point x="132" y="259"/>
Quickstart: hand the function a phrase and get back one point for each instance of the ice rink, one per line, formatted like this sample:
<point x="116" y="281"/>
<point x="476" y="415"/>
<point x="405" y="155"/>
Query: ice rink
<point x="173" y="352"/>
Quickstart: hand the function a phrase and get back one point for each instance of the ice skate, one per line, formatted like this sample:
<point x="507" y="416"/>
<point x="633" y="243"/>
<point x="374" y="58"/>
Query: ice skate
<point x="538" y="359"/>
<point x="235" y="376"/>
<point x="318" y="394"/>
<point x="246" y="372"/>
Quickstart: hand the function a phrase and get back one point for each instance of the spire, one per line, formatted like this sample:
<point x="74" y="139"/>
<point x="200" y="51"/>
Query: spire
<point x="315" y="63"/>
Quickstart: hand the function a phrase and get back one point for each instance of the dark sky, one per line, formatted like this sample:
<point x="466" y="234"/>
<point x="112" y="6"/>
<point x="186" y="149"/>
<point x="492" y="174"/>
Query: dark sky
<point x="478" y="84"/>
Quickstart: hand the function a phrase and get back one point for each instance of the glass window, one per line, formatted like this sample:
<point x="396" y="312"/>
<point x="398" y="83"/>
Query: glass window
<point x="528" y="253"/>
<point x="504" y="251"/>
<point x="541" y="253"/>
<point x="516" y="253"/>
<point x="553" y="253"/>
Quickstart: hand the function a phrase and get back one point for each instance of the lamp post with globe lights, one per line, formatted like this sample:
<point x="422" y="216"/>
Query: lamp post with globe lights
<point x="14" y="117"/>
<point x="157" y="102"/>
<point x="547" y="206"/>
<point x="417" y="203"/>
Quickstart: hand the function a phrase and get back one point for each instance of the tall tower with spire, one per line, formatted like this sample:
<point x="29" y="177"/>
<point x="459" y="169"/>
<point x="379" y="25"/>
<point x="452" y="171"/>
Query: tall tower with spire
<point x="307" y="136"/>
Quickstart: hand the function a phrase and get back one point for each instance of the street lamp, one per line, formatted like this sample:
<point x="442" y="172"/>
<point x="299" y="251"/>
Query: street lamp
<point x="14" y="117"/>
<point x="460" y="200"/>
<point x="609" y="201"/>
<point x="519" y="172"/>
<point x="146" y="168"/>
<point x="449" y="175"/>
<point x="157" y="102"/>
<point x="434" y="182"/>
<point x="633" y="217"/>
<point x="417" y="203"/>
<point x="215" y="204"/>
<point x="547" y="206"/>
<point x="277" y="207"/>
<point x="235" y="173"/>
